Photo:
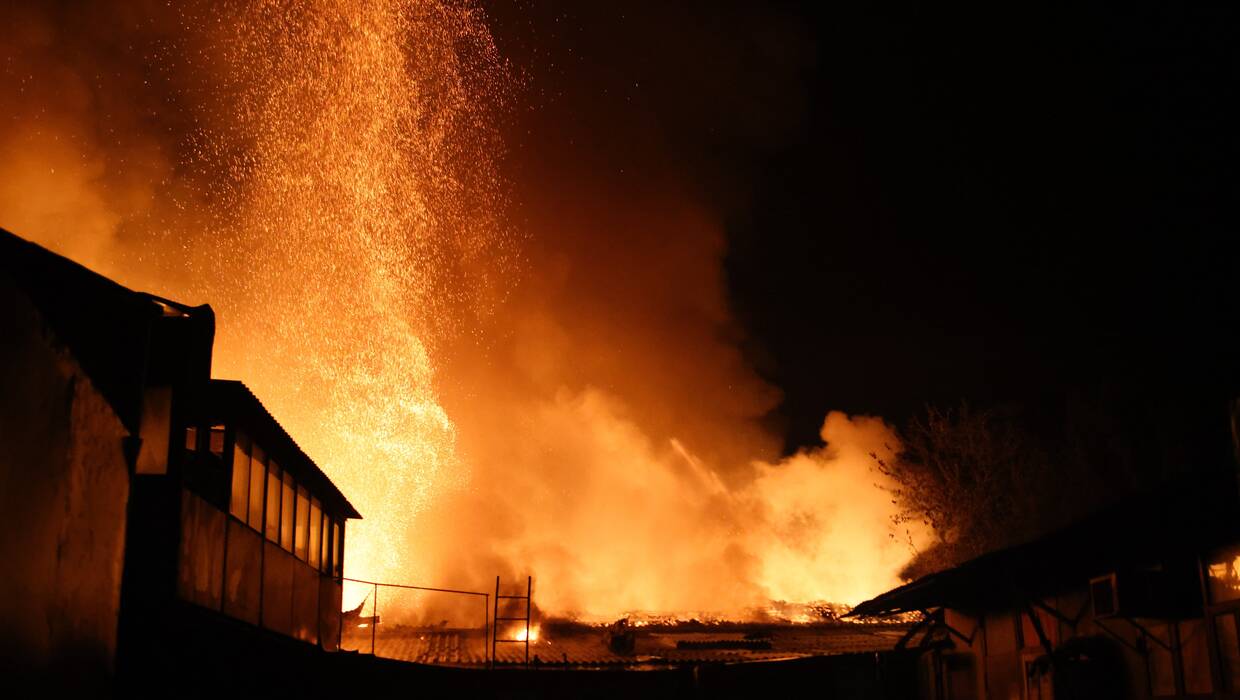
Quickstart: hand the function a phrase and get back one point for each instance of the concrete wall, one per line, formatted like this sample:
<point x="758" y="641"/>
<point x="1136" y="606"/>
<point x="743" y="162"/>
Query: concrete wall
<point x="64" y="485"/>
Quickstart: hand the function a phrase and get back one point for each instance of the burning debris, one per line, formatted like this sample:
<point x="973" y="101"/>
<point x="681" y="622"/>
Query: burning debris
<point x="353" y="619"/>
<point x="338" y="199"/>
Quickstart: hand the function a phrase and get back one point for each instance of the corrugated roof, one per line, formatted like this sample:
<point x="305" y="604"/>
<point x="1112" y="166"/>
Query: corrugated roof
<point x="231" y="400"/>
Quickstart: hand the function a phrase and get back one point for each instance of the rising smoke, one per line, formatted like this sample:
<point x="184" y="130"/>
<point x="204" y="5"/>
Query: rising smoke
<point x="549" y="387"/>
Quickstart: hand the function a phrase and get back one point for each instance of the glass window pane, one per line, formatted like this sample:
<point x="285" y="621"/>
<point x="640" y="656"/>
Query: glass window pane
<point x="303" y="521"/>
<point x="1223" y="574"/>
<point x="338" y="557"/>
<point x="191" y="439"/>
<point x="326" y="556"/>
<point x="1228" y="650"/>
<point x="239" y="503"/>
<point x="217" y="441"/>
<point x="288" y="494"/>
<point x="316" y="532"/>
<point x="258" y="475"/>
<point x="272" y="528"/>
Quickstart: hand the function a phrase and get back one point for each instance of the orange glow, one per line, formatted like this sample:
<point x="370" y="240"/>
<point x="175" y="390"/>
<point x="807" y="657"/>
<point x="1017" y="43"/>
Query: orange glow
<point x="520" y="634"/>
<point x="582" y="416"/>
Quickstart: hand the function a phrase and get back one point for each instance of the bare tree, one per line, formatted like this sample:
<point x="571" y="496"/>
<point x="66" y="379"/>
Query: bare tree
<point x="976" y="478"/>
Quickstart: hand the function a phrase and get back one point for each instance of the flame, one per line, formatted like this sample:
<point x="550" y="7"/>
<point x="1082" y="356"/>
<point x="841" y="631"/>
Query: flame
<point x="349" y="206"/>
<point x="533" y="633"/>
<point x="327" y="177"/>
<point x="336" y="182"/>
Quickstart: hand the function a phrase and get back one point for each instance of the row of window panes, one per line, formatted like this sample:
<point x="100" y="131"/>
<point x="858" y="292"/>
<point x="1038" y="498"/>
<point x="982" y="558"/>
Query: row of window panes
<point x="294" y="520"/>
<point x="215" y="440"/>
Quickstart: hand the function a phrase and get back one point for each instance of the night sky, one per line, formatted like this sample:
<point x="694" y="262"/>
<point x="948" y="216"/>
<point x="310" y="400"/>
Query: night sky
<point x="923" y="203"/>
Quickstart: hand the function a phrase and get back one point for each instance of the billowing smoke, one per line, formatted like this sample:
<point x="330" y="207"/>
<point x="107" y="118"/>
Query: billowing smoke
<point x="547" y="386"/>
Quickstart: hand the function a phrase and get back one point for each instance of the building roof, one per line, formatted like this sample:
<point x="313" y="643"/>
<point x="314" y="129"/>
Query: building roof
<point x="109" y="329"/>
<point x="582" y="647"/>
<point x="1166" y="523"/>
<point x="232" y="402"/>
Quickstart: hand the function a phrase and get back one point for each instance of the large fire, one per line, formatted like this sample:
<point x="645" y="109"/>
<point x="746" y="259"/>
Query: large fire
<point x="327" y="176"/>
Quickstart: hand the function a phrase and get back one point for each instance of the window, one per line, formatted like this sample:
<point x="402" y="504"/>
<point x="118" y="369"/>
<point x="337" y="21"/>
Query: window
<point x="258" y="474"/>
<point x="239" y="503"/>
<point x="316" y="533"/>
<point x="1223" y="574"/>
<point x="326" y="546"/>
<point x="338" y="557"/>
<point x="217" y="441"/>
<point x="272" y="528"/>
<point x="303" y="522"/>
<point x="191" y="439"/>
<point x="288" y="494"/>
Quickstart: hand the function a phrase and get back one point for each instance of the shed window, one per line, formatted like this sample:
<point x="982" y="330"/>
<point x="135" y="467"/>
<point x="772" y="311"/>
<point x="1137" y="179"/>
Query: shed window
<point x="303" y="521"/>
<point x="1223" y="571"/>
<point x="217" y="441"/>
<point x="338" y="557"/>
<point x="238" y="504"/>
<point x="288" y="495"/>
<point x="325" y="555"/>
<point x="316" y="532"/>
<point x="272" y="528"/>
<point x="258" y="475"/>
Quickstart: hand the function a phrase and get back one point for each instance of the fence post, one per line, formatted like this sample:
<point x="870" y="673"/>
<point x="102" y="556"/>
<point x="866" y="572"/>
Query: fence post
<point x="529" y="602"/>
<point x="495" y="617"/>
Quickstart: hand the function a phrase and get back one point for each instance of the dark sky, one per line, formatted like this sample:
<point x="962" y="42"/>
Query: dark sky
<point x="925" y="203"/>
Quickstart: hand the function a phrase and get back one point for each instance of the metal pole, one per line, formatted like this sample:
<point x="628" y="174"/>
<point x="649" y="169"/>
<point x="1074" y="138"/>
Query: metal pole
<point x="374" y="620"/>
<point x="495" y="631"/>
<point x="529" y="589"/>
<point x="486" y="628"/>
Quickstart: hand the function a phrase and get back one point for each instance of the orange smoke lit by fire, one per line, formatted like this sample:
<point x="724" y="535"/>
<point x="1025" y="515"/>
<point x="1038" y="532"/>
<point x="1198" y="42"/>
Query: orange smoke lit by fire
<point x="328" y="178"/>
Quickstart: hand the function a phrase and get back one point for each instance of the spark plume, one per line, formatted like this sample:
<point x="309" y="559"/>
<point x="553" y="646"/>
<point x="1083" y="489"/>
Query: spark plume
<point x="329" y="187"/>
<point x="565" y="401"/>
<point x="352" y="213"/>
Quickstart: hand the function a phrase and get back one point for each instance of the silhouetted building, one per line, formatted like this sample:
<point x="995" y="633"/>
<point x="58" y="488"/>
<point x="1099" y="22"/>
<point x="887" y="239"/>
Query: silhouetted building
<point x="1137" y="601"/>
<point x="158" y="523"/>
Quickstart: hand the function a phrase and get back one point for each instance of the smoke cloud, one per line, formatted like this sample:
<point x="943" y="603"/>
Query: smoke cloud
<point x="515" y="360"/>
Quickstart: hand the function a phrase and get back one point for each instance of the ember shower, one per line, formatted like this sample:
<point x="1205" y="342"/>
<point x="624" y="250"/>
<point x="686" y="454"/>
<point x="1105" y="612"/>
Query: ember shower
<point x="327" y="176"/>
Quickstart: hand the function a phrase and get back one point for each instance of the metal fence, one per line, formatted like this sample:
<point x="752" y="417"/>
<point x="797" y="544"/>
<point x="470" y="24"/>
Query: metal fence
<point x="416" y="623"/>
